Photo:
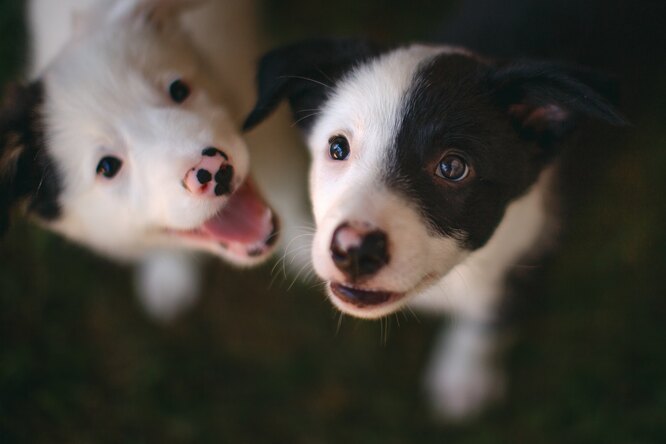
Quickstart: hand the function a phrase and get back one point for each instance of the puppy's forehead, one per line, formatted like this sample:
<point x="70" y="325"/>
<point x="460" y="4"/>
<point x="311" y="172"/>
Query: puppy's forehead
<point x="368" y="102"/>
<point x="94" y="85"/>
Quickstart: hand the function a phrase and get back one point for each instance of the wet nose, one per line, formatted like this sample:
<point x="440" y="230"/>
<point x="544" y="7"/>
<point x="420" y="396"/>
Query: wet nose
<point x="210" y="177"/>
<point x="358" y="250"/>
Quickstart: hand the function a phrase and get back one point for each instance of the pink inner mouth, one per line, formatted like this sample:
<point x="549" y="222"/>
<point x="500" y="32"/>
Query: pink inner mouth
<point x="246" y="225"/>
<point x="244" y="219"/>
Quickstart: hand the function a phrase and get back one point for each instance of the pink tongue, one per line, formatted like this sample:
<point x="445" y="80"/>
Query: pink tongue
<point x="245" y="218"/>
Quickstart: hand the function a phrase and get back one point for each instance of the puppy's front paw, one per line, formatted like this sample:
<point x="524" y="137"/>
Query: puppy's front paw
<point x="167" y="284"/>
<point x="458" y="391"/>
<point x="462" y="378"/>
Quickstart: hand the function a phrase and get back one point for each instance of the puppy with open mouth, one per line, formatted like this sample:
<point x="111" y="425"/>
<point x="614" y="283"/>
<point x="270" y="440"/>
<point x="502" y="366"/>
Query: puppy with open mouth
<point x="127" y="137"/>
<point x="432" y="177"/>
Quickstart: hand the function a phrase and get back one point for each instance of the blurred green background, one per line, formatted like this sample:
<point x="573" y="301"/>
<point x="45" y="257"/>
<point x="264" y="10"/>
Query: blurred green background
<point x="255" y="362"/>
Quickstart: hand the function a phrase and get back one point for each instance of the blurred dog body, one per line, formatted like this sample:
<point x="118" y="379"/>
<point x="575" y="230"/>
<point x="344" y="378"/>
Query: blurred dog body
<point x="433" y="172"/>
<point x="127" y="138"/>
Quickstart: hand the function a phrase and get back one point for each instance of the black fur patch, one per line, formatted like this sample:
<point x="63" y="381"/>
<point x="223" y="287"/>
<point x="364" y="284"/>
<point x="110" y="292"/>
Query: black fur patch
<point x="305" y="73"/>
<point x="458" y="103"/>
<point x="449" y="108"/>
<point x="27" y="173"/>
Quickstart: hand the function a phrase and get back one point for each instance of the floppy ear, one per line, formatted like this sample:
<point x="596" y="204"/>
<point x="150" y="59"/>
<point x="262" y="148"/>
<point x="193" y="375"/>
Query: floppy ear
<point x="304" y="73"/>
<point x="24" y="173"/>
<point x="546" y="100"/>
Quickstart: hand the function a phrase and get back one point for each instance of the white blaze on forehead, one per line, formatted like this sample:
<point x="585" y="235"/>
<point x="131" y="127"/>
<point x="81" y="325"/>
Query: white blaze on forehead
<point x="366" y="104"/>
<point x="365" y="107"/>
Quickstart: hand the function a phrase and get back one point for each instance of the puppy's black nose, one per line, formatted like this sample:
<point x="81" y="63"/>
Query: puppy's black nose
<point x="359" y="251"/>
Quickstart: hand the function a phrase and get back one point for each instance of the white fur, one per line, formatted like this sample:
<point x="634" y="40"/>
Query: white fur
<point x="106" y="68"/>
<point x="462" y="375"/>
<point x="168" y="283"/>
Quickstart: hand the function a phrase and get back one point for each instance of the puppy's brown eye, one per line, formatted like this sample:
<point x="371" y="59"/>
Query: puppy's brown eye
<point x="339" y="148"/>
<point x="452" y="167"/>
<point x="109" y="167"/>
<point x="179" y="91"/>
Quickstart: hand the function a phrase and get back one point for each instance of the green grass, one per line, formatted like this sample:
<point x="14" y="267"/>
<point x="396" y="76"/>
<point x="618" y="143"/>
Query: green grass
<point x="254" y="363"/>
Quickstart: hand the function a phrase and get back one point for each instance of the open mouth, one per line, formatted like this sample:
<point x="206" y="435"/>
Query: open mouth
<point x="363" y="298"/>
<point x="246" y="226"/>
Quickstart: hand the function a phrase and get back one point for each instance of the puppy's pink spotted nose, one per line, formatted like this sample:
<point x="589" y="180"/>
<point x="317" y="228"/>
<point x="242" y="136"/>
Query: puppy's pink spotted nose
<point x="212" y="176"/>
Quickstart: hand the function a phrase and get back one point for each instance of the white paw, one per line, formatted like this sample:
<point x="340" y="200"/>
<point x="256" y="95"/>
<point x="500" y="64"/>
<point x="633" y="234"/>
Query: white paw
<point x="462" y="379"/>
<point x="167" y="284"/>
<point x="458" y="392"/>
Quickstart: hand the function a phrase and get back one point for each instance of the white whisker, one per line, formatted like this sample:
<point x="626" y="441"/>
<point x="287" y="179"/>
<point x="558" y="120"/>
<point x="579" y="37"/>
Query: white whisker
<point x="308" y="79"/>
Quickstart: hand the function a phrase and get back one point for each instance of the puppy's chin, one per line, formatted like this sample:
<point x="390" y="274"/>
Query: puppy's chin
<point x="372" y="303"/>
<point x="365" y="303"/>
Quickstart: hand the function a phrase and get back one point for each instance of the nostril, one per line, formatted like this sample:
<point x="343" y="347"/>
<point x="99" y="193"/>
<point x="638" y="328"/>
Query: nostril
<point x="223" y="179"/>
<point x="204" y="176"/>
<point x="221" y="190"/>
<point x="212" y="152"/>
<point x="224" y="174"/>
<point x="374" y="244"/>
<point x="373" y="252"/>
<point x="340" y="256"/>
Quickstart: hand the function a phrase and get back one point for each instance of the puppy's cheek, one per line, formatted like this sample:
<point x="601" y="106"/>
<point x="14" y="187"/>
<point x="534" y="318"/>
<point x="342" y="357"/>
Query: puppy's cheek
<point x="445" y="254"/>
<point x="321" y="258"/>
<point x="409" y="262"/>
<point x="227" y="139"/>
<point x="320" y="266"/>
<point x="320" y="199"/>
<point x="417" y="256"/>
<point x="242" y="171"/>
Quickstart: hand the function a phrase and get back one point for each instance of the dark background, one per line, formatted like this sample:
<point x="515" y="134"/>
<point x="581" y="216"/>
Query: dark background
<point x="80" y="362"/>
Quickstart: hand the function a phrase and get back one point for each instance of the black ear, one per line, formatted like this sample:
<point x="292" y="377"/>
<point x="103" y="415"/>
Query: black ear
<point x="24" y="173"/>
<point x="546" y="100"/>
<point x="304" y="73"/>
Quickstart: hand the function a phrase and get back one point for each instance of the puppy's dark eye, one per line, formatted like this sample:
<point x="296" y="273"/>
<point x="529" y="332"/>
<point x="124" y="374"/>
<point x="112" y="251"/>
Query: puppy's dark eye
<point x="452" y="167"/>
<point x="339" y="148"/>
<point x="179" y="91"/>
<point x="109" y="167"/>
